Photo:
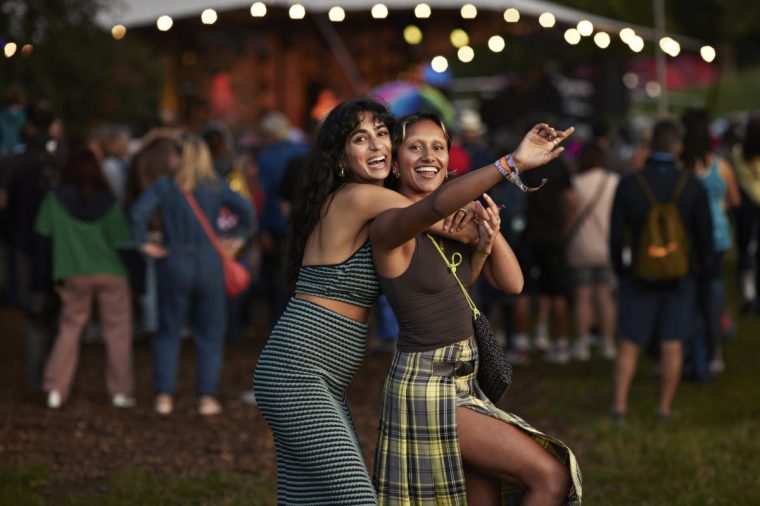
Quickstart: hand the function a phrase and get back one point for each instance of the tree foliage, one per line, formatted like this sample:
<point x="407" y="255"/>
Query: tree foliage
<point x="76" y="65"/>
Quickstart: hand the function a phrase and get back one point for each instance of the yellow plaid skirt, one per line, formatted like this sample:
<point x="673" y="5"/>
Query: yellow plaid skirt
<point x="417" y="461"/>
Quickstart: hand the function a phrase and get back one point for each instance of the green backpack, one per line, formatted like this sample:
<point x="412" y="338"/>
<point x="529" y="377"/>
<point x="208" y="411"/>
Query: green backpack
<point x="663" y="249"/>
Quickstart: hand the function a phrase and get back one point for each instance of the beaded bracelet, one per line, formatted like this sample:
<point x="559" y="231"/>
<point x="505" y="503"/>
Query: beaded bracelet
<point x="484" y="252"/>
<point x="513" y="174"/>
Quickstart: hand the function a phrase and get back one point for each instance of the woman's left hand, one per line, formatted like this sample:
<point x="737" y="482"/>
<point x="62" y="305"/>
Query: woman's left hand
<point x="539" y="146"/>
<point x="488" y="225"/>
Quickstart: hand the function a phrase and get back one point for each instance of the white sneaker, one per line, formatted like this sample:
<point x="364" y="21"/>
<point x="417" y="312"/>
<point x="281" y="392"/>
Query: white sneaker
<point x="123" y="401"/>
<point x="248" y="397"/>
<point x="521" y="343"/>
<point x="580" y="350"/>
<point x="716" y="366"/>
<point x="541" y="342"/>
<point x="559" y="353"/>
<point x="54" y="399"/>
<point x="609" y="352"/>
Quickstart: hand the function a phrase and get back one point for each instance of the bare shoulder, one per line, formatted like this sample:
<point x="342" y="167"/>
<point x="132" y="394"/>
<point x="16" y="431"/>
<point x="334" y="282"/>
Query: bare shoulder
<point x="369" y="200"/>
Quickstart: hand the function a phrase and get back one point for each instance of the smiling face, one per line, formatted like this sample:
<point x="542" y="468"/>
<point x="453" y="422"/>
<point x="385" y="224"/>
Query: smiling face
<point x="422" y="159"/>
<point x="368" y="150"/>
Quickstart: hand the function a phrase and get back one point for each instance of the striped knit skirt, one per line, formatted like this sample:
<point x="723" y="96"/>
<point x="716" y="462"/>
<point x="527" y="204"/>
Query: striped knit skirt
<point x="418" y="460"/>
<point x="300" y="385"/>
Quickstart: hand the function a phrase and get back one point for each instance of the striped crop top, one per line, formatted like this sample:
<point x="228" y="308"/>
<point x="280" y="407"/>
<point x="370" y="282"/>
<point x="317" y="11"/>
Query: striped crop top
<point x="353" y="281"/>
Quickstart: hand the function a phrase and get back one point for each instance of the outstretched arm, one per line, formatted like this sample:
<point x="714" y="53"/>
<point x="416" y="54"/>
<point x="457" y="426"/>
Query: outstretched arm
<point x="397" y="226"/>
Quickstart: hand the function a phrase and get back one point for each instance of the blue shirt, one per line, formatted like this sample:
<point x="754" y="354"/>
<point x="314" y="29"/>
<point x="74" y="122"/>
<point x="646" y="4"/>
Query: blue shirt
<point x="272" y="164"/>
<point x="180" y="226"/>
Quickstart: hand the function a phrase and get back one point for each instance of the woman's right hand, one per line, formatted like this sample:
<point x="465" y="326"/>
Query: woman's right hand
<point x="154" y="250"/>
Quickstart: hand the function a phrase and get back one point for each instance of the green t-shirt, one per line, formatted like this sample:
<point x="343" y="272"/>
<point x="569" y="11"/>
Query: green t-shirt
<point x="83" y="247"/>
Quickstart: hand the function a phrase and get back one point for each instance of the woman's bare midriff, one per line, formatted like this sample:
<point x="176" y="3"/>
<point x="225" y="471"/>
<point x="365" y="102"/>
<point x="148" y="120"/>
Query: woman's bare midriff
<point x="360" y="314"/>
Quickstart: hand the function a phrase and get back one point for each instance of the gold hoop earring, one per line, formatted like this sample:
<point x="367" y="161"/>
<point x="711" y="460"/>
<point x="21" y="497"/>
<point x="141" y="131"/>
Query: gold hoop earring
<point x="342" y="172"/>
<point x="394" y="173"/>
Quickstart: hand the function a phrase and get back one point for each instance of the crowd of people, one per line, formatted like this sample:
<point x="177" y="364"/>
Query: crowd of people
<point x="631" y="251"/>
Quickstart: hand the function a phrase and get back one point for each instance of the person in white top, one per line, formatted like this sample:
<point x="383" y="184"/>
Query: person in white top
<point x="588" y="254"/>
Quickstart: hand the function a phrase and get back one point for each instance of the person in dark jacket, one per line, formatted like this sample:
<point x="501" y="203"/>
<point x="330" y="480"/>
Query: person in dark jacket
<point x="662" y="309"/>
<point x="25" y="179"/>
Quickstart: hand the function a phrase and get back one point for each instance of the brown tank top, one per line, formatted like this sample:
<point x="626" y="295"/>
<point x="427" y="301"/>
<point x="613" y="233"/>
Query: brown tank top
<point x="429" y="305"/>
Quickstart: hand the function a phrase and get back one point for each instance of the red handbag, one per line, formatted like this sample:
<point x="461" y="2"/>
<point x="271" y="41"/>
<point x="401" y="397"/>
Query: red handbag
<point x="236" y="276"/>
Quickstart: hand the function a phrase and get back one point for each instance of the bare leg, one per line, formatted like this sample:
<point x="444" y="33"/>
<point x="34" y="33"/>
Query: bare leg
<point x="559" y="312"/>
<point x="607" y="312"/>
<point x="502" y="452"/>
<point x="582" y="311"/>
<point x="672" y="356"/>
<point x="625" y="367"/>
<point x="522" y="314"/>
<point x="481" y="488"/>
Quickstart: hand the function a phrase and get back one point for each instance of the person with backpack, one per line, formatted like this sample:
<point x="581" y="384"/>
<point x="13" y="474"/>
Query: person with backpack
<point x="664" y="213"/>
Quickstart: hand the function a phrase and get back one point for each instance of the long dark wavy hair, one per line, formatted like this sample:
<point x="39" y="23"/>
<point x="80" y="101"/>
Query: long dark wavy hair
<point x="322" y="175"/>
<point x="696" y="138"/>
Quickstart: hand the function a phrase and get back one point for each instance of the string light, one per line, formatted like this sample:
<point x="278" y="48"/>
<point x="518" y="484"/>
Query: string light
<point x="511" y="15"/>
<point x="459" y="38"/>
<point x="118" y="32"/>
<point x="707" y="53"/>
<point x="336" y="14"/>
<point x="602" y="39"/>
<point x="547" y="20"/>
<point x="465" y="54"/>
<point x="626" y="34"/>
<point x="258" y="10"/>
<point x="10" y="49"/>
<point x="670" y="46"/>
<point x="469" y="11"/>
<point x="26" y="49"/>
<point x="412" y="35"/>
<point x="379" y="11"/>
<point x="496" y="44"/>
<point x="297" y="11"/>
<point x="572" y="36"/>
<point x="439" y="64"/>
<point x="164" y="23"/>
<point x="422" y="11"/>
<point x="209" y="17"/>
<point x="585" y="27"/>
<point x="636" y="44"/>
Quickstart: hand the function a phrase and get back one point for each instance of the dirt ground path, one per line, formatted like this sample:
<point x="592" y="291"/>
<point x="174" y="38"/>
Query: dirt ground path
<point x="88" y="439"/>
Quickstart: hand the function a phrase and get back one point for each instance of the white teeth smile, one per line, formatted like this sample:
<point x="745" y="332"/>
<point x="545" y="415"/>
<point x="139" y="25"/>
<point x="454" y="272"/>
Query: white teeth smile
<point x="427" y="169"/>
<point x="379" y="160"/>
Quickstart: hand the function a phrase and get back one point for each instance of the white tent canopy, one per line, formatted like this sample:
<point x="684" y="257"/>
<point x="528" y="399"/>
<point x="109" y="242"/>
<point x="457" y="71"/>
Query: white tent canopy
<point x="133" y="13"/>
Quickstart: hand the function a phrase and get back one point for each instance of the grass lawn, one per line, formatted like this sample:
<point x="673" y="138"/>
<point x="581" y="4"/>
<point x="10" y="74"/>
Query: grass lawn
<point x="708" y="455"/>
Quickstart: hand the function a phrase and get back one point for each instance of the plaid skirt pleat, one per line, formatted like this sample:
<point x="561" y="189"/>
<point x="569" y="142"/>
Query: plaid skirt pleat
<point x="300" y="385"/>
<point x="418" y="461"/>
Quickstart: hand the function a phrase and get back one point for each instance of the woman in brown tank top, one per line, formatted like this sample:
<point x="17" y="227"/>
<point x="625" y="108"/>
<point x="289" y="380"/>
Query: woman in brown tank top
<point x="441" y="440"/>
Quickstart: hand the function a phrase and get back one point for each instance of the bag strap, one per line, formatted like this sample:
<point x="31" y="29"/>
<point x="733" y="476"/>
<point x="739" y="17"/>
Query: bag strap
<point x="586" y="211"/>
<point x="456" y="260"/>
<point x="204" y="223"/>
<point x="679" y="187"/>
<point x="676" y="192"/>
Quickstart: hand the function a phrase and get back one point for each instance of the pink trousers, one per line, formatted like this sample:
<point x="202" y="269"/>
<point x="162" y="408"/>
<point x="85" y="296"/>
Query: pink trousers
<point x="115" y="307"/>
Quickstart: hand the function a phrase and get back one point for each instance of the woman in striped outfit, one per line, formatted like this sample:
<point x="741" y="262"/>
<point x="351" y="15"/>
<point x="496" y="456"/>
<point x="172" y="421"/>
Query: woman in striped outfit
<point x="441" y="441"/>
